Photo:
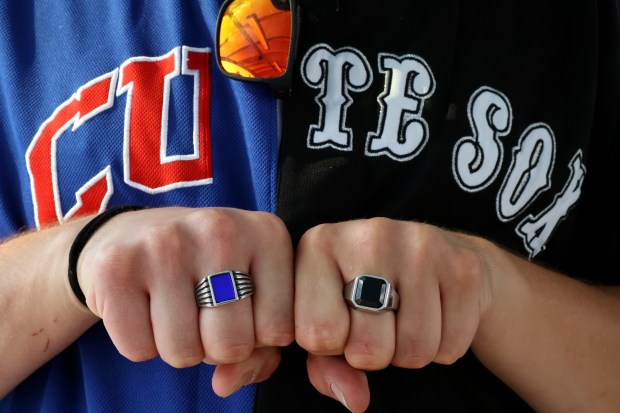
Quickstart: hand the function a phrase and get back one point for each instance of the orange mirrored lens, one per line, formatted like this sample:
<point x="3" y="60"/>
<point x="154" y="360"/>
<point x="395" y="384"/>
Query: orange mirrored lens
<point x="255" y="38"/>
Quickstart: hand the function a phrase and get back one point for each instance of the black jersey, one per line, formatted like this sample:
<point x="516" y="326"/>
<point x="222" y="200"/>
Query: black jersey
<point x="499" y="119"/>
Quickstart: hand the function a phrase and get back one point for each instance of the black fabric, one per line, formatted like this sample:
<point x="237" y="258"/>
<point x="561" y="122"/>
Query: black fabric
<point x="556" y="62"/>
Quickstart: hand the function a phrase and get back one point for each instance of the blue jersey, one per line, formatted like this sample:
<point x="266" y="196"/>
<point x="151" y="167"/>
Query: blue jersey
<point x="121" y="102"/>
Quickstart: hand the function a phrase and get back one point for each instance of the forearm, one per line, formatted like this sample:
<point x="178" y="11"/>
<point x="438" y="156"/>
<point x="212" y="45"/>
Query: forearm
<point x="551" y="338"/>
<point x="39" y="316"/>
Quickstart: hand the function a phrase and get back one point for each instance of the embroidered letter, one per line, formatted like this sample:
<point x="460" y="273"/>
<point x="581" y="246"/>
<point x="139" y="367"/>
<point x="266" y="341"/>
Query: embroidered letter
<point x="529" y="173"/>
<point x="401" y="133"/>
<point x="477" y="159"/>
<point x="536" y="231"/>
<point x="335" y="73"/>
<point x="147" y="84"/>
<point x="41" y="156"/>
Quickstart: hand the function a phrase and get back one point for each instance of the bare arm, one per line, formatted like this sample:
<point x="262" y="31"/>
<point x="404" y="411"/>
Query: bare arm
<point x="39" y="316"/>
<point x="146" y="264"/>
<point x="553" y="339"/>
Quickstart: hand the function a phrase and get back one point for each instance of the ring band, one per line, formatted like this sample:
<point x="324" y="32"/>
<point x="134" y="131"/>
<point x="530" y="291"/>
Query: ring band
<point x="223" y="287"/>
<point x="371" y="293"/>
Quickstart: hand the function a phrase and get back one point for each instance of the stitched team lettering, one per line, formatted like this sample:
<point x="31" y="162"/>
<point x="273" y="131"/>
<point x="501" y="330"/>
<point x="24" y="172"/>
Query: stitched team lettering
<point x="402" y="134"/>
<point x="146" y="83"/>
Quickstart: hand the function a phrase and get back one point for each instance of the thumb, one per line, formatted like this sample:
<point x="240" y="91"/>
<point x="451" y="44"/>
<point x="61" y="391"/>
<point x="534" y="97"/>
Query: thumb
<point x="334" y="377"/>
<point x="228" y="378"/>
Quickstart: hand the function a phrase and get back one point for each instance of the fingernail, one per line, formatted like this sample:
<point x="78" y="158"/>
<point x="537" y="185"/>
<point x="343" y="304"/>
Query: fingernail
<point x="246" y="379"/>
<point x="339" y="395"/>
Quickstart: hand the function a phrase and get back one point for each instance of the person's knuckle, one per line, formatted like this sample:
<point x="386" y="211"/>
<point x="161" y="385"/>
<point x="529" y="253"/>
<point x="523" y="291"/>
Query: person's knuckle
<point x="317" y="238"/>
<point x="367" y="237"/>
<point x="110" y="266"/>
<point x="231" y="352"/>
<point x="321" y="338"/>
<point x="413" y="355"/>
<point x="214" y="224"/>
<point x="449" y="355"/>
<point x="138" y="354"/>
<point x="163" y="243"/>
<point x="275" y="334"/>
<point x="368" y="355"/>
<point x="271" y="223"/>
<point x="181" y="359"/>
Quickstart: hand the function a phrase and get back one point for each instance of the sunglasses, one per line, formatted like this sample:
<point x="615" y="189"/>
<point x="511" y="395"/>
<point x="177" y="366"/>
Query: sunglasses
<point x="256" y="41"/>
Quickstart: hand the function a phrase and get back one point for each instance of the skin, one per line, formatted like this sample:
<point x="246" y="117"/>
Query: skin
<point x="457" y="291"/>
<point x="551" y="338"/>
<point x="150" y="272"/>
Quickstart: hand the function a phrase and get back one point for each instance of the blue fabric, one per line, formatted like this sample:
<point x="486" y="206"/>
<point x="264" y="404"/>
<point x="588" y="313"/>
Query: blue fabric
<point x="49" y="50"/>
<point x="91" y="376"/>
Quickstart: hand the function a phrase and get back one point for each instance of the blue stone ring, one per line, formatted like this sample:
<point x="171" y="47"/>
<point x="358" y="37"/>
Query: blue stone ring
<point x="371" y="293"/>
<point x="223" y="287"/>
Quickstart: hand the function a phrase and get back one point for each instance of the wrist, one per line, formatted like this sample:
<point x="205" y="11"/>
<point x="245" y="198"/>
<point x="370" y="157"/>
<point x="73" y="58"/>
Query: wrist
<point x="66" y="236"/>
<point x="507" y="295"/>
<point x="79" y="242"/>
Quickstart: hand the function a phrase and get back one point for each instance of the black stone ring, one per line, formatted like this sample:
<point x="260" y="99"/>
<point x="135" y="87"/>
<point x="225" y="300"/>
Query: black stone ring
<point x="371" y="293"/>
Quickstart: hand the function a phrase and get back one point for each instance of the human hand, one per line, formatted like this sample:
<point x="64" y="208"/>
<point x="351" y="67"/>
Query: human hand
<point x="139" y="273"/>
<point x="444" y="290"/>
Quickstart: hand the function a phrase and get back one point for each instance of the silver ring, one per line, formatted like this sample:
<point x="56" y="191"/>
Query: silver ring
<point x="371" y="293"/>
<point x="223" y="287"/>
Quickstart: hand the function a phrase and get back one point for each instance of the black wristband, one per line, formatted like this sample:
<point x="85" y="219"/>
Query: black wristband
<point x="82" y="238"/>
